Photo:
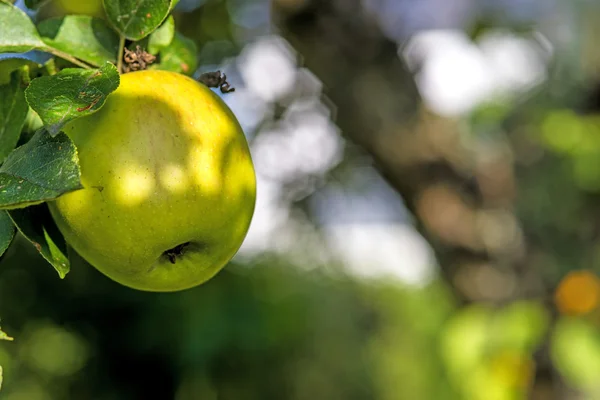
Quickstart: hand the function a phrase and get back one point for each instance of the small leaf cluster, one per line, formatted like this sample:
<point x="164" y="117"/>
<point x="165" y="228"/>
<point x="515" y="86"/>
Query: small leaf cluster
<point x="38" y="161"/>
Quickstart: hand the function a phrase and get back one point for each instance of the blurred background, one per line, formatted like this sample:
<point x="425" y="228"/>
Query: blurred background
<point x="427" y="222"/>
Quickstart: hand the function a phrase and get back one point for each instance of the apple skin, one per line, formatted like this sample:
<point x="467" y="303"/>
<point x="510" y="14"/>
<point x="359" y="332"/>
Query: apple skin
<point x="60" y="8"/>
<point x="163" y="163"/>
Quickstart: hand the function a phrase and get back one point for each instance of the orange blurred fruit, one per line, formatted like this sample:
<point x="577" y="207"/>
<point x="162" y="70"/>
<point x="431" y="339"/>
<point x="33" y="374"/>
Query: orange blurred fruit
<point x="578" y="293"/>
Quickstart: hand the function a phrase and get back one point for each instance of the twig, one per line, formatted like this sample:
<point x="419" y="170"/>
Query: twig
<point x="67" y="57"/>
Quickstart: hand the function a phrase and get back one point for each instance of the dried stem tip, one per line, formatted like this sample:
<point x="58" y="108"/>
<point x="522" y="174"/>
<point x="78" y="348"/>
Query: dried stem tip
<point x="216" y="80"/>
<point x="136" y="60"/>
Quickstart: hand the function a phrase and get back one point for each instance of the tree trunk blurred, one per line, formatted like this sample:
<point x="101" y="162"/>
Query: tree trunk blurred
<point x="463" y="199"/>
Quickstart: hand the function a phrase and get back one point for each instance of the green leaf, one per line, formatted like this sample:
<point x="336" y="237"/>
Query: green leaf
<point x="7" y="232"/>
<point x="162" y="37"/>
<point x="136" y="19"/>
<point x="179" y="56"/>
<point x="13" y="112"/>
<point x="89" y="39"/>
<point x="70" y="94"/>
<point x="36" y="224"/>
<point x="40" y="170"/>
<point x="8" y="65"/>
<point x="17" y="32"/>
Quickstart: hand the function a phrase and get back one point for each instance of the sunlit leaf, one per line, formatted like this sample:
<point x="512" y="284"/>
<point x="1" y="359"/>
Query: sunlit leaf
<point x="70" y="94"/>
<point x="36" y="224"/>
<point x="17" y="32"/>
<point x="87" y="38"/>
<point x="40" y="170"/>
<point x="162" y="37"/>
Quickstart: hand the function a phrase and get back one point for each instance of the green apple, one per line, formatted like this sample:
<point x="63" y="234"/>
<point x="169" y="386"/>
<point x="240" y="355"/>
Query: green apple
<point x="60" y="8"/>
<point x="169" y="184"/>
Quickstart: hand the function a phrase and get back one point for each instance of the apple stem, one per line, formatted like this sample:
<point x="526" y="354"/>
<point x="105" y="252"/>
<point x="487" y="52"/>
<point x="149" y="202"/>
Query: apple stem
<point x="120" y="54"/>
